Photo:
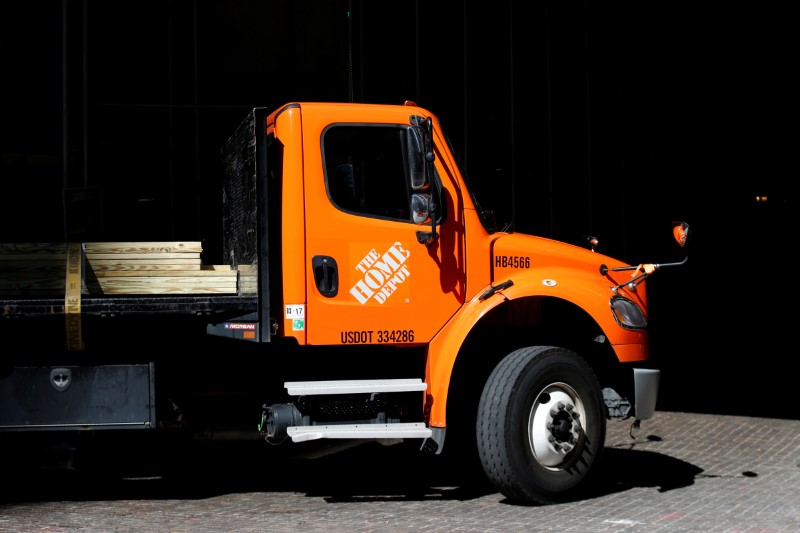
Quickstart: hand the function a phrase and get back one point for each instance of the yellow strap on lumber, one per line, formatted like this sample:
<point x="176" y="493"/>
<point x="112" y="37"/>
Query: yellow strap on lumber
<point x="72" y="296"/>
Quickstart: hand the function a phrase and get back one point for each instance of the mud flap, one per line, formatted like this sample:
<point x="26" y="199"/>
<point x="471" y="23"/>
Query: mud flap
<point x="646" y="383"/>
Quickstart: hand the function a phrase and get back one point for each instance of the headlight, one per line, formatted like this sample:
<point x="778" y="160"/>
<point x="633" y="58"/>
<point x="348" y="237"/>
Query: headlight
<point x="627" y="314"/>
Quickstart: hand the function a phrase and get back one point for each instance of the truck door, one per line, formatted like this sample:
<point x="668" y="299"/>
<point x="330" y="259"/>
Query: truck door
<point x="369" y="279"/>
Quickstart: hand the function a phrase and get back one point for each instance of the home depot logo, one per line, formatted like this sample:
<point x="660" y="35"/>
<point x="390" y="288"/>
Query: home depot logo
<point x="381" y="274"/>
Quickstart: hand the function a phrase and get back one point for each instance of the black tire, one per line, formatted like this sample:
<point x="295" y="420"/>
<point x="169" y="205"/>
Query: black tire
<point x="541" y="425"/>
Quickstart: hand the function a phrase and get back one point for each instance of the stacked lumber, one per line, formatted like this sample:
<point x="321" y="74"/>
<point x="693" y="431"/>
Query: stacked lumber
<point x="32" y="269"/>
<point x="113" y="268"/>
<point x="248" y="279"/>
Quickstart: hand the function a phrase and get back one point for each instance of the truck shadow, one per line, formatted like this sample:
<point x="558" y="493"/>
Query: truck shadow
<point x="367" y="472"/>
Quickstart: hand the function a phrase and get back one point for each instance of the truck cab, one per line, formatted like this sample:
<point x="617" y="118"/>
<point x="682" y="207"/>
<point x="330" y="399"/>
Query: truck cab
<point x="385" y="252"/>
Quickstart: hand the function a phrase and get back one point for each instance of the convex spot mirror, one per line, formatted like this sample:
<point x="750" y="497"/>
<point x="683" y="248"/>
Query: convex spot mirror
<point x="421" y="208"/>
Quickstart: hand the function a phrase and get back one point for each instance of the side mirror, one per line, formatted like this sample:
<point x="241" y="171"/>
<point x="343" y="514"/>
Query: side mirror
<point x="417" y="167"/>
<point x="420" y="164"/>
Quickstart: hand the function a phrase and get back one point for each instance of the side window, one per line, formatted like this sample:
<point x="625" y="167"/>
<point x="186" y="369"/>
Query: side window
<point x="365" y="170"/>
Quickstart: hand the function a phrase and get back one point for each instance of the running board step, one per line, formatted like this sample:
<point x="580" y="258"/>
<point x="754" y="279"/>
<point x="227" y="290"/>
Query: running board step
<point x="307" y="388"/>
<point x="413" y="430"/>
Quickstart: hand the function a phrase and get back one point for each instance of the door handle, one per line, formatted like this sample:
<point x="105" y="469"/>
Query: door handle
<point x="326" y="275"/>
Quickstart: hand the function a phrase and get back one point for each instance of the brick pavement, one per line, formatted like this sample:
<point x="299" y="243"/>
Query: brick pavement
<point x="680" y="472"/>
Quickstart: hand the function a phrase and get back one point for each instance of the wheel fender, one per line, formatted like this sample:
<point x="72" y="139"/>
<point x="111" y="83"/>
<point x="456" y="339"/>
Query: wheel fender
<point x="584" y="289"/>
<point x="444" y="348"/>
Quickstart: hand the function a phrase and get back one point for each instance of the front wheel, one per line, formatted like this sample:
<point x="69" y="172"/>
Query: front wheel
<point x="541" y="425"/>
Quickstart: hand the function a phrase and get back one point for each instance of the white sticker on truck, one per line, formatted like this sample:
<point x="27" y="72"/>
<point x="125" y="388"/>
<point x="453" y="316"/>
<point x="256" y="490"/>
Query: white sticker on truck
<point x="295" y="311"/>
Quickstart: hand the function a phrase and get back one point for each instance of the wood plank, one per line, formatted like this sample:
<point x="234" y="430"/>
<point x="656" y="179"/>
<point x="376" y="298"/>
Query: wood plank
<point x="36" y="287"/>
<point x="142" y="257"/>
<point x="9" y="284"/>
<point x="169" y="290"/>
<point x="121" y="264"/>
<point x="130" y="267"/>
<point x="33" y="258"/>
<point x="143" y="247"/>
<point x="32" y="274"/>
<point x="218" y="267"/>
<point x="32" y="247"/>
<point x="248" y="288"/>
<point x="123" y="285"/>
<point x="248" y="279"/>
<point x="167" y="281"/>
<point x="103" y="247"/>
<point x="158" y="273"/>
<point x="27" y="266"/>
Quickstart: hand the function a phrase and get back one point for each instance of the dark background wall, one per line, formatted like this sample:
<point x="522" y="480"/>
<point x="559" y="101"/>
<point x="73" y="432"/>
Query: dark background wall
<point x="572" y="118"/>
